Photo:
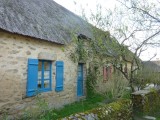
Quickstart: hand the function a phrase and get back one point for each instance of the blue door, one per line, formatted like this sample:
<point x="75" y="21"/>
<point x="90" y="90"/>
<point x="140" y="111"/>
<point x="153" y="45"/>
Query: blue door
<point x="80" y="80"/>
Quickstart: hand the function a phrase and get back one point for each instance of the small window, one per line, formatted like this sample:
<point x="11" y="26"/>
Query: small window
<point x="39" y="76"/>
<point x="107" y="72"/>
<point x="44" y="75"/>
<point x="125" y="69"/>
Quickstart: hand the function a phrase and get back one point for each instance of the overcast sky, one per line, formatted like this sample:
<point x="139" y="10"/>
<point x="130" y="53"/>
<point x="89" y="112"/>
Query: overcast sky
<point x="76" y="6"/>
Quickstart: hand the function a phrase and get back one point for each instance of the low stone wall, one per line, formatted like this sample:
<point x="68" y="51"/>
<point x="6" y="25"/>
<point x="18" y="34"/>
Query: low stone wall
<point x="120" y="110"/>
<point x="146" y="101"/>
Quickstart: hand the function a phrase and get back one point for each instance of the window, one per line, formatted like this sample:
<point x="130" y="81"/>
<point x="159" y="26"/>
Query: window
<point x="40" y="76"/>
<point x="44" y="75"/>
<point x="125" y="68"/>
<point x="107" y="72"/>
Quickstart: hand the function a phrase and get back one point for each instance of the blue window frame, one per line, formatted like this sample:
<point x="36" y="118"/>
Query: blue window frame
<point x="44" y="82"/>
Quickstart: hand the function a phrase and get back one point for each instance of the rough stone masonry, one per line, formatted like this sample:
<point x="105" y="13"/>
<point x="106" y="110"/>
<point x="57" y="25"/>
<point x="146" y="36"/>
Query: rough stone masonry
<point x="14" y="53"/>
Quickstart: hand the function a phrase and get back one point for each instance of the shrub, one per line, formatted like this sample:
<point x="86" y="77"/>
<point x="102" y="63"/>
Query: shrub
<point x="114" y="88"/>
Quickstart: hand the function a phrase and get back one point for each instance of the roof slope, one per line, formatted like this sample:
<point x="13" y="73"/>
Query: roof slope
<point x="44" y="19"/>
<point x="156" y="62"/>
<point x="151" y="65"/>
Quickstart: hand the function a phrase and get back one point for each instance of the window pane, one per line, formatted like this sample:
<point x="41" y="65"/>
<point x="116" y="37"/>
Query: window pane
<point x="39" y="74"/>
<point x="46" y="65"/>
<point x="39" y="84"/>
<point x="46" y="74"/>
<point x="40" y="66"/>
<point x="46" y="84"/>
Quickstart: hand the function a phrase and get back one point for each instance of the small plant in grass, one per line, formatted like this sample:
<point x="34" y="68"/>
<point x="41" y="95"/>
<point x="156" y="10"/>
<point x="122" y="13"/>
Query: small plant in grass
<point x="80" y="106"/>
<point x="5" y="116"/>
<point x="127" y="94"/>
<point x="90" y="83"/>
<point x="114" y="88"/>
<point x="39" y="111"/>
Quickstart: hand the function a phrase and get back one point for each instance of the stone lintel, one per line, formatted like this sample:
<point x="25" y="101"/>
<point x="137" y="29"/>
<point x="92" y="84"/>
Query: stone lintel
<point x="47" y="56"/>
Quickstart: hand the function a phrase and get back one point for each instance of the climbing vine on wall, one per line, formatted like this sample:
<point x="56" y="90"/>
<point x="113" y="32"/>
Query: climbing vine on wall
<point x="80" y="53"/>
<point x="92" y="49"/>
<point x="94" y="53"/>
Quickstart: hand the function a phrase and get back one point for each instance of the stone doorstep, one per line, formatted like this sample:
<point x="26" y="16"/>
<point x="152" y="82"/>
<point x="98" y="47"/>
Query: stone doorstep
<point x="149" y="118"/>
<point x="81" y="98"/>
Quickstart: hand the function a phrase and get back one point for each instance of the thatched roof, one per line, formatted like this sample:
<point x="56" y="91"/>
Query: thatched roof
<point x="156" y="62"/>
<point x="151" y="65"/>
<point x="44" y="19"/>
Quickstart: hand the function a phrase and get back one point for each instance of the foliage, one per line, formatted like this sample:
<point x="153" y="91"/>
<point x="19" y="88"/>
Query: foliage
<point x="120" y="110"/>
<point x="146" y="76"/>
<point x="143" y="77"/>
<point x="126" y="94"/>
<point x="40" y="111"/>
<point x="114" y="88"/>
<point x="102" y="49"/>
<point x="152" y="102"/>
<point x="131" y="19"/>
<point x="80" y="106"/>
<point x="81" y="52"/>
<point x="90" y="83"/>
<point x="89" y="50"/>
<point x="147" y="104"/>
<point x="98" y="53"/>
<point x="155" y="78"/>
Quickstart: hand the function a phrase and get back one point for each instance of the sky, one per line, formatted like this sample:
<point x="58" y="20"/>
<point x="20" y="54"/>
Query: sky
<point x="76" y="6"/>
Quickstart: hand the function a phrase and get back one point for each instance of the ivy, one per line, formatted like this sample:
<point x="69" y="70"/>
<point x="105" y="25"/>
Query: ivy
<point x="97" y="52"/>
<point x="90" y="83"/>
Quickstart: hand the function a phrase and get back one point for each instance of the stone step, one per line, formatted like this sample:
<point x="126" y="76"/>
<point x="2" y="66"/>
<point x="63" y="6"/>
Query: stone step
<point x="149" y="118"/>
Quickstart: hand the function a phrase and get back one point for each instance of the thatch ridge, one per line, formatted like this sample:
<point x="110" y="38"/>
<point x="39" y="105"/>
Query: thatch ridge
<point x="44" y="19"/>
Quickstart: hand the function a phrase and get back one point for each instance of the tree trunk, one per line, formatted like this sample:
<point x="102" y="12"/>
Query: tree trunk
<point x="131" y="85"/>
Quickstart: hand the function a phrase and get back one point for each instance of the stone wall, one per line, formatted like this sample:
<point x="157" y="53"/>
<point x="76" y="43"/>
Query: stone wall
<point x="146" y="101"/>
<point x="14" y="53"/>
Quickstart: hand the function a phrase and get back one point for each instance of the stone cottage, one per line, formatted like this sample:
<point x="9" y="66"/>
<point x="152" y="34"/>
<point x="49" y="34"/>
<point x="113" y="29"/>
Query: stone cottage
<point x="35" y="46"/>
<point x="35" y="43"/>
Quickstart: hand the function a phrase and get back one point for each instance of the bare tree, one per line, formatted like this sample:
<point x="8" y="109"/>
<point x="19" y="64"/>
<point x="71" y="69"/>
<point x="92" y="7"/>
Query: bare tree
<point x="133" y="27"/>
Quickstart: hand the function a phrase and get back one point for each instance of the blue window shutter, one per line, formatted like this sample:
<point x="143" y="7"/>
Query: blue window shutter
<point x="59" y="75"/>
<point x="32" y="77"/>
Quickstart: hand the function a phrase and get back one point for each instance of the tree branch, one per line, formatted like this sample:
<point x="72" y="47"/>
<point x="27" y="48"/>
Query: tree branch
<point x="147" y="13"/>
<point x="121" y="70"/>
<point x="146" y="40"/>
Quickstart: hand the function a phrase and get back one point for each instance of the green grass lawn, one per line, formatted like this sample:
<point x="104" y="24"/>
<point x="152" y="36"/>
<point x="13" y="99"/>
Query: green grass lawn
<point x="81" y="106"/>
<point x="76" y="107"/>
